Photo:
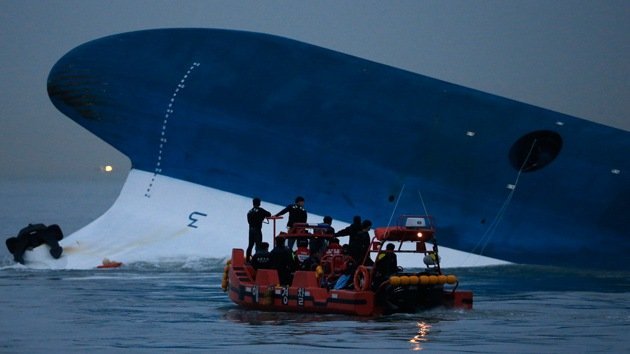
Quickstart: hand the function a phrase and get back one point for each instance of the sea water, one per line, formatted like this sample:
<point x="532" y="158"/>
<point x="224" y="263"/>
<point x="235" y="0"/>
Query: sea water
<point x="180" y="306"/>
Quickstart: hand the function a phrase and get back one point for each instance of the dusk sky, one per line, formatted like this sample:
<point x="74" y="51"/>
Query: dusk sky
<point x="567" y="56"/>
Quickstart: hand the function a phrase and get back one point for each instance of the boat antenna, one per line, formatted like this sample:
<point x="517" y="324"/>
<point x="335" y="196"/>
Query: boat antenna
<point x="426" y="212"/>
<point x="395" y="206"/>
<point x="434" y="240"/>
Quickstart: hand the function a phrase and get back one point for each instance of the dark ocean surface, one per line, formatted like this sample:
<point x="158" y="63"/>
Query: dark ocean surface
<point x="180" y="306"/>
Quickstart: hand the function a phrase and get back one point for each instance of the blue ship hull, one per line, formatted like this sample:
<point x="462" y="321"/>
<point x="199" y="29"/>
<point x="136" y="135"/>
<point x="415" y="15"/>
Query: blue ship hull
<point x="260" y="115"/>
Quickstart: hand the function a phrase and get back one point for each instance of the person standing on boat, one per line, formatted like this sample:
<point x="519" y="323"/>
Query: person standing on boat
<point x="360" y="243"/>
<point x="297" y="214"/>
<point x="255" y="218"/>
<point x="326" y="225"/>
<point x="283" y="261"/>
<point x="318" y="245"/>
<point x="351" y="230"/>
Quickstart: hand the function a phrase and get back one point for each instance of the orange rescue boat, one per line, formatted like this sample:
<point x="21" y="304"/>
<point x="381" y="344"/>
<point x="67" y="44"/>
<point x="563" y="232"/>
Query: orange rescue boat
<point x="370" y="291"/>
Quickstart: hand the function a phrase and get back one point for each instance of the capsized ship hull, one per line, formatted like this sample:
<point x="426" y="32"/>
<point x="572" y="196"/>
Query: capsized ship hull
<point x="259" y="115"/>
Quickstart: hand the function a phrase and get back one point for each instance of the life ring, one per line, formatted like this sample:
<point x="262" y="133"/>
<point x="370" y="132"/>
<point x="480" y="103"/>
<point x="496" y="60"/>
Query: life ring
<point x="362" y="279"/>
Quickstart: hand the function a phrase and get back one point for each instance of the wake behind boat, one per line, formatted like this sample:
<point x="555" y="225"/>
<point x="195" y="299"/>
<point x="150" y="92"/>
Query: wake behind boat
<point x="335" y="282"/>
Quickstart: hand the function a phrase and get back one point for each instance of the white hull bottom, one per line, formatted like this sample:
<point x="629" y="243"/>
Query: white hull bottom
<point x="158" y="219"/>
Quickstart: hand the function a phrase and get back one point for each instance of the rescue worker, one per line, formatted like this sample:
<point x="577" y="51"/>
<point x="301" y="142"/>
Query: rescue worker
<point x="360" y="243"/>
<point x="327" y="225"/>
<point x="318" y="245"/>
<point x="255" y="218"/>
<point x="262" y="258"/>
<point x="282" y="261"/>
<point x="386" y="264"/>
<point x="297" y="214"/>
<point x="352" y="229"/>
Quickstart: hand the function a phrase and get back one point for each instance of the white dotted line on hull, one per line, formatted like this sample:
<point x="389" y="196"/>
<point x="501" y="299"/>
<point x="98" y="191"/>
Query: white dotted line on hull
<point x="168" y="114"/>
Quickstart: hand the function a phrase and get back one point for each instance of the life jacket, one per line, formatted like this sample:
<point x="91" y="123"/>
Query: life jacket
<point x="302" y="254"/>
<point x="333" y="249"/>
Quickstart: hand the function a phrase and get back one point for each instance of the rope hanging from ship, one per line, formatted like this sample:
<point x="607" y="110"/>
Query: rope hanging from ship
<point x="391" y="217"/>
<point x="489" y="233"/>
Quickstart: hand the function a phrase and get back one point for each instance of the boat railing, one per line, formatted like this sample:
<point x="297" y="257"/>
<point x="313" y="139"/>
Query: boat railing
<point x="273" y="220"/>
<point x="306" y="230"/>
<point x="302" y="230"/>
<point x="413" y="230"/>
